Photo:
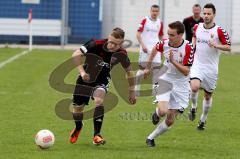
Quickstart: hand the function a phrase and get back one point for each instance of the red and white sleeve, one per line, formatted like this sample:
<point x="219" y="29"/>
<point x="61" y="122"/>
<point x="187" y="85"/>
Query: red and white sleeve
<point x="189" y="55"/>
<point x="141" y="25"/>
<point x="223" y="36"/>
<point x="161" y="30"/>
<point x="194" y="30"/>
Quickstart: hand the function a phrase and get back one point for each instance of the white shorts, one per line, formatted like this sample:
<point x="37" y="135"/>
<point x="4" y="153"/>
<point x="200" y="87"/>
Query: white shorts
<point x="177" y="99"/>
<point x="208" y="78"/>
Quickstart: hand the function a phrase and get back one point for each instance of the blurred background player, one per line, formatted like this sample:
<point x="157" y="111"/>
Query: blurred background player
<point x="178" y="55"/>
<point x="149" y="33"/>
<point x="106" y="53"/>
<point x="190" y="21"/>
<point x="208" y="39"/>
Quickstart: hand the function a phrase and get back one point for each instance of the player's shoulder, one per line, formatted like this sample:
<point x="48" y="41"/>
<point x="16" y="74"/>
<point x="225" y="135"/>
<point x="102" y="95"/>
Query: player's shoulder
<point x="144" y="19"/>
<point x="159" y="19"/>
<point x="123" y="51"/>
<point x="161" y="44"/>
<point x="188" y="43"/>
<point x="189" y="18"/>
<point x="99" y="41"/>
<point x="220" y="28"/>
<point x="163" y="41"/>
<point x="199" y="24"/>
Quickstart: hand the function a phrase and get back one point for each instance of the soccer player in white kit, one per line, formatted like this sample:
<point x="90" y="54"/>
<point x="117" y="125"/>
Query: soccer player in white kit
<point x="150" y="31"/>
<point x="208" y="40"/>
<point x="179" y="56"/>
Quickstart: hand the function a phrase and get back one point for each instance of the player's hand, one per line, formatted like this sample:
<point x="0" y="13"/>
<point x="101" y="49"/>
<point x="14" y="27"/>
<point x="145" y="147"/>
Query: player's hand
<point x="212" y="44"/>
<point x="146" y="73"/>
<point x="132" y="97"/>
<point x="85" y="76"/>
<point x="171" y="59"/>
<point x="145" y="49"/>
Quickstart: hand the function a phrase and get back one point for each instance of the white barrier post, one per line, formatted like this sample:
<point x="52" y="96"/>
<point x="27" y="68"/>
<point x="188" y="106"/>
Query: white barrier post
<point x="30" y="28"/>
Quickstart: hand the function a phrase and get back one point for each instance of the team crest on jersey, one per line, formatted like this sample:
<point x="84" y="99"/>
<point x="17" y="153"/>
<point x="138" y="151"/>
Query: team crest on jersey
<point x="212" y="36"/>
<point x="181" y="57"/>
<point x="102" y="63"/>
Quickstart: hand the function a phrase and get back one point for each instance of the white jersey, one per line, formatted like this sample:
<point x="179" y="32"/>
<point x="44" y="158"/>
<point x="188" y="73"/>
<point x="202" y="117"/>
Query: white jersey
<point x="178" y="95"/>
<point x="183" y="54"/>
<point x="205" y="55"/>
<point x="150" y="32"/>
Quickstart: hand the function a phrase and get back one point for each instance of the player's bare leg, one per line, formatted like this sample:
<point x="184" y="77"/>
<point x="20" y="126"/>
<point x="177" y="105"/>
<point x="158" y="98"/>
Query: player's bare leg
<point x="162" y="127"/>
<point x="161" y="111"/>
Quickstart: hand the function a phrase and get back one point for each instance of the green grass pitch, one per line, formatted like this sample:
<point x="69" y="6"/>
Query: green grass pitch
<point x="27" y="104"/>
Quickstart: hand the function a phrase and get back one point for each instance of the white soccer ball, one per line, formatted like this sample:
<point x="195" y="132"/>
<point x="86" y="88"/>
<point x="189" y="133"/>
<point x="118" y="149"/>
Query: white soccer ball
<point x="44" y="139"/>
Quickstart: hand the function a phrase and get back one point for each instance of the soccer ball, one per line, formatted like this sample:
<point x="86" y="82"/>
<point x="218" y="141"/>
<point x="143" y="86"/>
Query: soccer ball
<point x="44" y="139"/>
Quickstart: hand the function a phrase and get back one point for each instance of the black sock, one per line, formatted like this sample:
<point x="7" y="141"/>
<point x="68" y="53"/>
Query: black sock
<point x="98" y="119"/>
<point x="78" y="120"/>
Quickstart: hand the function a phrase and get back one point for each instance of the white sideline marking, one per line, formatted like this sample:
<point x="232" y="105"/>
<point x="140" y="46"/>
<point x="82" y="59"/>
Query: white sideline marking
<point x="13" y="58"/>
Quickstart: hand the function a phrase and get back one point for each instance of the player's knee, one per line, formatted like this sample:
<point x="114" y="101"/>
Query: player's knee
<point x="207" y="96"/>
<point x="195" y="88"/>
<point x="77" y="112"/>
<point x="169" y="121"/>
<point x="78" y="108"/>
<point x="162" y="111"/>
<point x="98" y="101"/>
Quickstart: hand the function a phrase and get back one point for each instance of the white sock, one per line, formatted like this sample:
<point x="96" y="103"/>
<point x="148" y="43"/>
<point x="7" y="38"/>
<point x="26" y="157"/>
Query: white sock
<point x="161" y="128"/>
<point x="194" y="98"/>
<point x="139" y="77"/>
<point x="157" y="112"/>
<point x="206" y="106"/>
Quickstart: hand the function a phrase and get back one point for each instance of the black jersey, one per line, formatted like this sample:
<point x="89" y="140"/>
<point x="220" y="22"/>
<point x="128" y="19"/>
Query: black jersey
<point x="99" y="61"/>
<point x="189" y="23"/>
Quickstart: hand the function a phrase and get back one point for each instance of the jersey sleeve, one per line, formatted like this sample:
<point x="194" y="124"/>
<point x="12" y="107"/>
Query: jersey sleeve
<point x="159" y="46"/>
<point x="189" y="55"/>
<point x="122" y="58"/>
<point x="194" y="30"/>
<point x="88" y="46"/>
<point x="161" y="30"/>
<point x="141" y="25"/>
<point x="223" y="36"/>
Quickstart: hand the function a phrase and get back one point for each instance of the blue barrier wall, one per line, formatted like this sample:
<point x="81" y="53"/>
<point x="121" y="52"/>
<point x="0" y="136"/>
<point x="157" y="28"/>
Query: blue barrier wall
<point x="83" y="19"/>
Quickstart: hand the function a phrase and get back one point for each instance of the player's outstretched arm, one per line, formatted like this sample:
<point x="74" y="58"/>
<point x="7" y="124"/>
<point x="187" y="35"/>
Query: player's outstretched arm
<point x="149" y="63"/>
<point x="139" y="38"/>
<point x="78" y="61"/>
<point x="131" y="83"/>
<point x="220" y="46"/>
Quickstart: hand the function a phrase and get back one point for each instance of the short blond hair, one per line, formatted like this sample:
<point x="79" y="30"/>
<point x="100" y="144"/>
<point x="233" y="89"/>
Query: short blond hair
<point x="118" y="33"/>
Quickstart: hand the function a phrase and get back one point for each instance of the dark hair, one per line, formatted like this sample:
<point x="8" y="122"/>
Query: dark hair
<point x="210" y="5"/>
<point x="155" y="6"/>
<point x="178" y="26"/>
<point x="118" y="33"/>
<point x="196" y="5"/>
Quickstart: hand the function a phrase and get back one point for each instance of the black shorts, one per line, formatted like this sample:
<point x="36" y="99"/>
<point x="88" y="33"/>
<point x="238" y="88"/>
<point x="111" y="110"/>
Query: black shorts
<point x="83" y="91"/>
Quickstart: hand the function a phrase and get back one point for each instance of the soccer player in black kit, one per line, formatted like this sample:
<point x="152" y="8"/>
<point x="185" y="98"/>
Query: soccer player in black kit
<point x="101" y="56"/>
<point x="190" y="21"/>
